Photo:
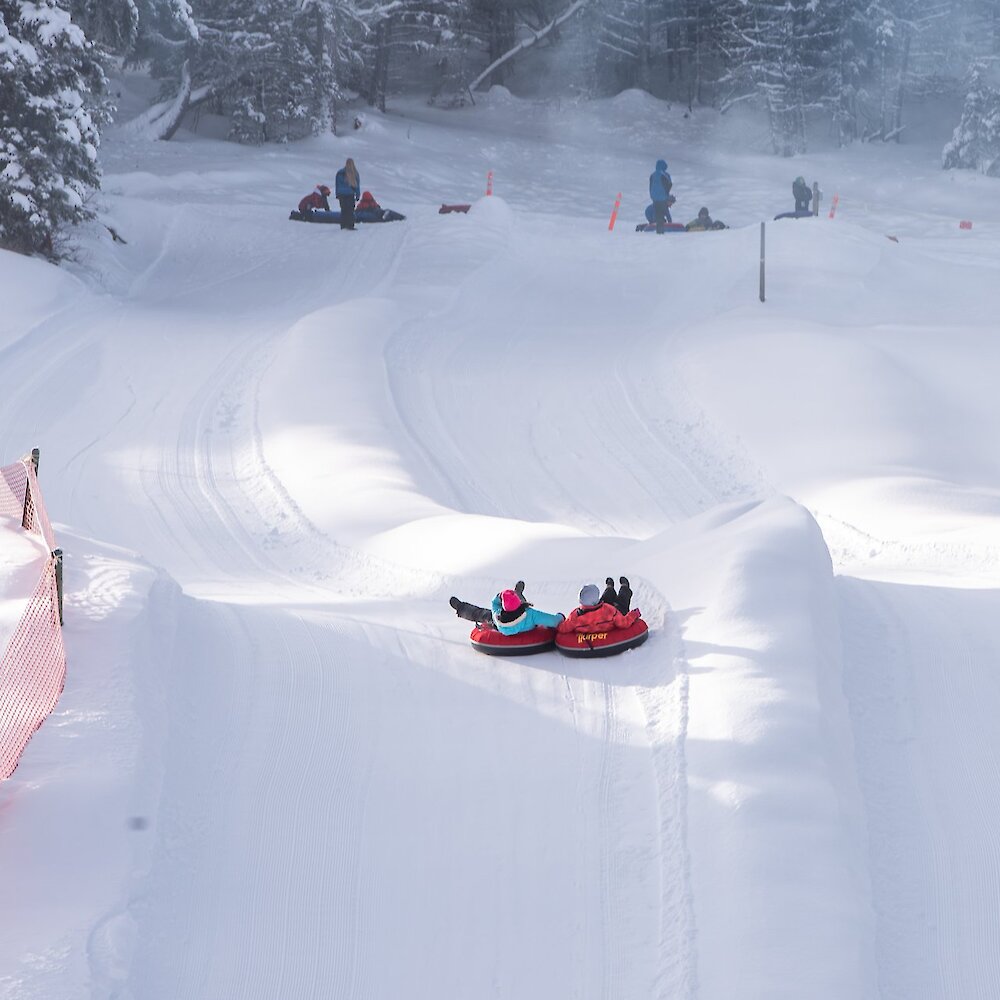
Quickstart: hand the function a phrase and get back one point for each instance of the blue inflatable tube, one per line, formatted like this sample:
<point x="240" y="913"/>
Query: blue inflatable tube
<point x="365" y="215"/>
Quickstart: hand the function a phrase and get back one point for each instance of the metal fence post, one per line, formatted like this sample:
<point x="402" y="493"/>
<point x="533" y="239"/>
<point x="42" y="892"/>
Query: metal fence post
<point x="27" y="515"/>
<point x="762" y="262"/>
<point x="57" y="554"/>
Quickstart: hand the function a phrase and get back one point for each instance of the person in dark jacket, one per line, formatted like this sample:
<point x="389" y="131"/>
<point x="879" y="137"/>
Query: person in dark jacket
<point x="660" y="184"/>
<point x="510" y="614"/>
<point x="316" y="200"/>
<point x="803" y="194"/>
<point x="348" y="188"/>
<point x="704" y="222"/>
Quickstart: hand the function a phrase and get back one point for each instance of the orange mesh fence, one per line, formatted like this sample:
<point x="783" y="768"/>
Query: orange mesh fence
<point x="32" y="671"/>
<point x="33" y="667"/>
<point x="13" y="482"/>
<point x="37" y="517"/>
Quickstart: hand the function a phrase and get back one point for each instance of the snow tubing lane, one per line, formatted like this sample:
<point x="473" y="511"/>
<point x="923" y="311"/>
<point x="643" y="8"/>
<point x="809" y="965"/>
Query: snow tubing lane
<point x="595" y="643"/>
<point x="494" y="643"/>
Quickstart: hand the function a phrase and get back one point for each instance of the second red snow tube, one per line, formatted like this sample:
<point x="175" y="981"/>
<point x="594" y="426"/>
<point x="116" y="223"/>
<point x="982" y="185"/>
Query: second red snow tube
<point x="494" y="643"/>
<point x="609" y="642"/>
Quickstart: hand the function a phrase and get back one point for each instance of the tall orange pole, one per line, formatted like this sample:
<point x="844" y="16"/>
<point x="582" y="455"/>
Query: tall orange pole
<point x="614" y="211"/>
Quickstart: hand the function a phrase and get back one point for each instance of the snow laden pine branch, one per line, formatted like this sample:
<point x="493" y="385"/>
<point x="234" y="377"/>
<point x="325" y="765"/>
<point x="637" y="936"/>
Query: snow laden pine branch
<point x="526" y="43"/>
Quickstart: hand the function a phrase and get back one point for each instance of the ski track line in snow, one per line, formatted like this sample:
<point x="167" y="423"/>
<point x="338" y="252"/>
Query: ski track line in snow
<point x="666" y="712"/>
<point x="411" y="348"/>
<point x="277" y="851"/>
<point x="43" y="357"/>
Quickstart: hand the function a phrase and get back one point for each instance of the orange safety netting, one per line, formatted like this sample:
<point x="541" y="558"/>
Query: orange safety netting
<point x="33" y="667"/>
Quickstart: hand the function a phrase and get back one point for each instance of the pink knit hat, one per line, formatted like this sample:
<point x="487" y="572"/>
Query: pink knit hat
<point x="509" y="600"/>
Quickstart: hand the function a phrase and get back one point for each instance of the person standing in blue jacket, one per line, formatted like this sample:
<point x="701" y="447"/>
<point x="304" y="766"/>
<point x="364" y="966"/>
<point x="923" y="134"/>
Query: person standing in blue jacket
<point x="659" y="193"/>
<point x="348" y="190"/>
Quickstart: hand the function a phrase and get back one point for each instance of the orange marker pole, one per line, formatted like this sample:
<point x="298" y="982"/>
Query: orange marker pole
<point x="833" y="205"/>
<point x="614" y="211"/>
<point x="489" y="183"/>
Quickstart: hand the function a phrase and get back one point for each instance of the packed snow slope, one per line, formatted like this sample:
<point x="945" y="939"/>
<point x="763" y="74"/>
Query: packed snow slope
<point x="275" y="450"/>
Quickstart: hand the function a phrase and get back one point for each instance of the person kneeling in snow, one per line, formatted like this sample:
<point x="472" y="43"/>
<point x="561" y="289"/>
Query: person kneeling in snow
<point x="316" y="200"/>
<point x="802" y="194"/>
<point x="511" y="613"/>
<point x="598" y="612"/>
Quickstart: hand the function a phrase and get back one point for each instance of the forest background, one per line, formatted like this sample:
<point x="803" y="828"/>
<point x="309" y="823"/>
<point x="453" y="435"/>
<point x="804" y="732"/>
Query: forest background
<point x="280" y="70"/>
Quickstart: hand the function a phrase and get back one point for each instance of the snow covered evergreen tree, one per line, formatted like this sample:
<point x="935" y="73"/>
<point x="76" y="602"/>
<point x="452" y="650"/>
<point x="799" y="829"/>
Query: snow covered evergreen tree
<point x="110" y="24"/>
<point x="277" y="68"/>
<point x="778" y="53"/>
<point x="976" y="142"/>
<point x="49" y="128"/>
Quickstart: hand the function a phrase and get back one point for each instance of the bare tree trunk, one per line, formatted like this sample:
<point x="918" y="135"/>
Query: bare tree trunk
<point x="379" y="81"/>
<point x="526" y="43"/>
<point x="883" y="111"/>
<point x="642" y="56"/>
<point x="897" y="111"/>
<point x="502" y="38"/>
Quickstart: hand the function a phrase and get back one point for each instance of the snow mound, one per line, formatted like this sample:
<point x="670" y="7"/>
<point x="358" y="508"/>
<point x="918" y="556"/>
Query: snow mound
<point x="492" y="213"/>
<point x="22" y="556"/>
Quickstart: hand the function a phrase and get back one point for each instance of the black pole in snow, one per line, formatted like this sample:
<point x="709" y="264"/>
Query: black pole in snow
<point x="762" y="262"/>
<point x="57" y="554"/>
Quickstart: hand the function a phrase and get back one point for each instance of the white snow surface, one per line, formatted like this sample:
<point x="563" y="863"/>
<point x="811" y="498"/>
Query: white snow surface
<point x="274" y="450"/>
<point x="22" y="559"/>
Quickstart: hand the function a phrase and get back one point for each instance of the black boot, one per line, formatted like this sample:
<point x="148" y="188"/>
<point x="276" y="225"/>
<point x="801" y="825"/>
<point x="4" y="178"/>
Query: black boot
<point x="609" y="596"/>
<point x="471" y="613"/>
<point x="624" y="596"/>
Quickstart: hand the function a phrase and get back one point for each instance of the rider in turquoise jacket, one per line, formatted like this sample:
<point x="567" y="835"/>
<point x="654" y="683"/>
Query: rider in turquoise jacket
<point x="511" y="613"/>
<point x="523" y="619"/>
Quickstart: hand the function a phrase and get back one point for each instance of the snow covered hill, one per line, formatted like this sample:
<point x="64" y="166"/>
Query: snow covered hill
<point x="275" y="450"/>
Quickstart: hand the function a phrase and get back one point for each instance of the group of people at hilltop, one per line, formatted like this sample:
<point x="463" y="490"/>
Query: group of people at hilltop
<point x="660" y="184"/>
<point x="347" y="190"/>
<point x="511" y="614"/>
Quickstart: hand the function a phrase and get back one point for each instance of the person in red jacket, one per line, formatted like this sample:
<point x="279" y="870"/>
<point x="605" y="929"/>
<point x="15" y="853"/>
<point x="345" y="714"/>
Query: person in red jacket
<point x="316" y="200"/>
<point x="593" y="614"/>
<point x="368" y="202"/>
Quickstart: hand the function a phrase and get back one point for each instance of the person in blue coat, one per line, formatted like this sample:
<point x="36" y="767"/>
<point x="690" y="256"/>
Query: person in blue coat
<point x="348" y="191"/>
<point x="510" y="613"/>
<point x="659" y="193"/>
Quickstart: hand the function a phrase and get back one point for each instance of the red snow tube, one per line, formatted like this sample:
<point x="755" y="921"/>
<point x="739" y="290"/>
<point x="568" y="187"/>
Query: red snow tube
<point x="494" y="643"/>
<point x="609" y="642"/>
